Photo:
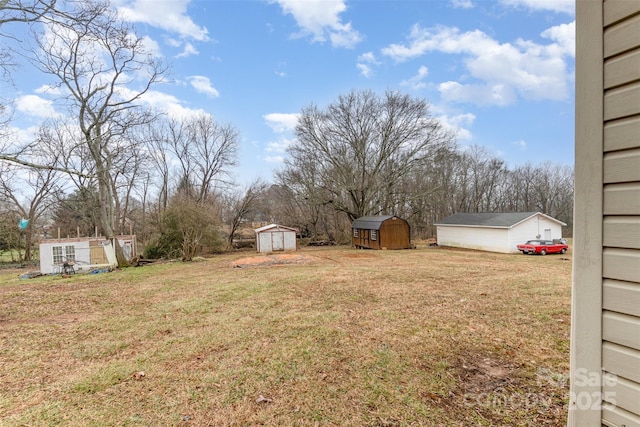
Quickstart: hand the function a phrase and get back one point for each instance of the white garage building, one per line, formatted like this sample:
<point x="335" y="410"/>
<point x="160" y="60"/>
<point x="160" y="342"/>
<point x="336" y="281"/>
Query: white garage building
<point x="496" y="231"/>
<point x="274" y="237"/>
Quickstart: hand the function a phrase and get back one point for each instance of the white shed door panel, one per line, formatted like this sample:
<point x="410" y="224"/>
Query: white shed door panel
<point x="277" y="241"/>
<point x="265" y="242"/>
<point x="290" y="241"/>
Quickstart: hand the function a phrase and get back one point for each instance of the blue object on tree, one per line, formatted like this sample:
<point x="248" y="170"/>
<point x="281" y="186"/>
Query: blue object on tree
<point x="23" y="223"/>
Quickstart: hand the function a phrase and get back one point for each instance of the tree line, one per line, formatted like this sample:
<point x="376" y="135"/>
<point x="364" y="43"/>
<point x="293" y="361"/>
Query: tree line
<point x="116" y="166"/>
<point x="367" y="154"/>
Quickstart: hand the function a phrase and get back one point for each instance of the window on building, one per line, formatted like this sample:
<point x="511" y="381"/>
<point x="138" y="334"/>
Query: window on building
<point x="57" y="255"/>
<point x="62" y="254"/>
<point x="355" y="232"/>
<point x="70" y="253"/>
<point x="374" y="235"/>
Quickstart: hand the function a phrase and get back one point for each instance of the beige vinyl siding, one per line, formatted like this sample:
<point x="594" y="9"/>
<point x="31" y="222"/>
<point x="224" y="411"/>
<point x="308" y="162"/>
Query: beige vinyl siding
<point x="606" y="291"/>
<point x="624" y="297"/>
<point x="627" y="392"/>
<point x="621" y="209"/>
<point x="622" y="166"/>
<point x="622" y="232"/>
<point x="621" y="134"/>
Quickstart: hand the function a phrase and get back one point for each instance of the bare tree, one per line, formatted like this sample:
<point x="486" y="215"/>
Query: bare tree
<point x="105" y="69"/>
<point x="364" y="146"/>
<point x="240" y="206"/>
<point x="30" y="193"/>
<point x="157" y="137"/>
<point x="25" y="11"/>
<point x="205" y="150"/>
<point x="301" y="200"/>
<point x="21" y="12"/>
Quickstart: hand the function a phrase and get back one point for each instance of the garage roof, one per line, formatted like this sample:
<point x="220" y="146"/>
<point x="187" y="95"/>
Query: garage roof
<point x="275" y="227"/>
<point x="491" y="219"/>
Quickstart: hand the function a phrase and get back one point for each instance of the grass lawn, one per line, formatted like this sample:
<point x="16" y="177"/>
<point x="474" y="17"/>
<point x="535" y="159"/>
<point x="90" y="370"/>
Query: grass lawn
<point x="322" y="337"/>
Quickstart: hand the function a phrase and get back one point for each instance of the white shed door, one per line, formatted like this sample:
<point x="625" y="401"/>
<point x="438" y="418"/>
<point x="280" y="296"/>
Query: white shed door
<point x="277" y="241"/>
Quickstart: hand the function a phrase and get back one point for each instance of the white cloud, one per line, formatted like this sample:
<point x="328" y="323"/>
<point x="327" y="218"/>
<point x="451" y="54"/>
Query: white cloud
<point x="280" y="69"/>
<point x="274" y="159"/>
<point x="502" y="71"/>
<point x="417" y="82"/>
<point x="167" y="103"/>
<point x="565" y="37"/>
<point x="462" y="4"/>
<point x="151" y="46"/>
<point x="481" y="94"/>
<point x="344" y="36"/>
<point x="368" y="57"/>
<point x="365" y="70"/>
<point x="281" y="122"/>
<point x="33" y="105"/>
<point x="279" y="146"/>
<point x="49" y="90"/>
<point x="458" y="125"/>
<point x="14" y="137"/>
<point x="202" y="84"/>
<point x="521" y="144"/>
<point x="559" y="6"/>
<point x="169" y="15"/>
<point x="173" y="42"/>
<point x="320" y="19"/>
<point x="188" y="50"/>
<point x="364" y="62"/>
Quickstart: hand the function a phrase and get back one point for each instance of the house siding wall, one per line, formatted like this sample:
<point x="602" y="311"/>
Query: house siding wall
<point x="606" y="286"/>
<point x="47" y="266"/>
<point x="621" y="209"/>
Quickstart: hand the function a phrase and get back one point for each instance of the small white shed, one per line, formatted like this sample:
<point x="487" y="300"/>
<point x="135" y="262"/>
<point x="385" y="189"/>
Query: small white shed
<point x="274" y="237"/>
<point x="496" y="231"/>
<point x="84" y="253"/>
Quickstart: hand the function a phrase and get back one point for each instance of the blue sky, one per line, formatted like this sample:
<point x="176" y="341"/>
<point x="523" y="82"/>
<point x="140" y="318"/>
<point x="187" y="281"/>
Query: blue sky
<point x="499" y="74"/>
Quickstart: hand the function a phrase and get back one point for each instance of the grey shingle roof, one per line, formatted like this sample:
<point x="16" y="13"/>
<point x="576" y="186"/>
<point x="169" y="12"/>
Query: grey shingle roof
<point x="487" y="219"/>
<point x="370" y="222"/>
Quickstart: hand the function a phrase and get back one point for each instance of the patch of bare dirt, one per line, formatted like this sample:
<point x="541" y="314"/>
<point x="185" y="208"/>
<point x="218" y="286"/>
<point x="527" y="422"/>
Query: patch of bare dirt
<point x="494" y="387"/>
<point x="485" y="375"/>
<point x="359" y="255"/>
<point x="274" y="259"/>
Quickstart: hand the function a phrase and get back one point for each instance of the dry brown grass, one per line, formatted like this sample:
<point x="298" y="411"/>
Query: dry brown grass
<point x="325" y="336"/>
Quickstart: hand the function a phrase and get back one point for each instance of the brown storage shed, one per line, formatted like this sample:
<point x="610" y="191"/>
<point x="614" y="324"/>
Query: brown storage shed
<point x="381" y="232"/>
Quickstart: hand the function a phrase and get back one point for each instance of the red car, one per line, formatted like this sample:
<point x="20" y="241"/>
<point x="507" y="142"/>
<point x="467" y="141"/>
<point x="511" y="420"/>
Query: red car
<point x="543" y="247"/>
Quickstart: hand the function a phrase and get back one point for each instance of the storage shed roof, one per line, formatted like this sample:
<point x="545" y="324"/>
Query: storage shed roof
<point x="370" y="222"/>
<point x="275" y="227"/>
<point x="491" y="219"/>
